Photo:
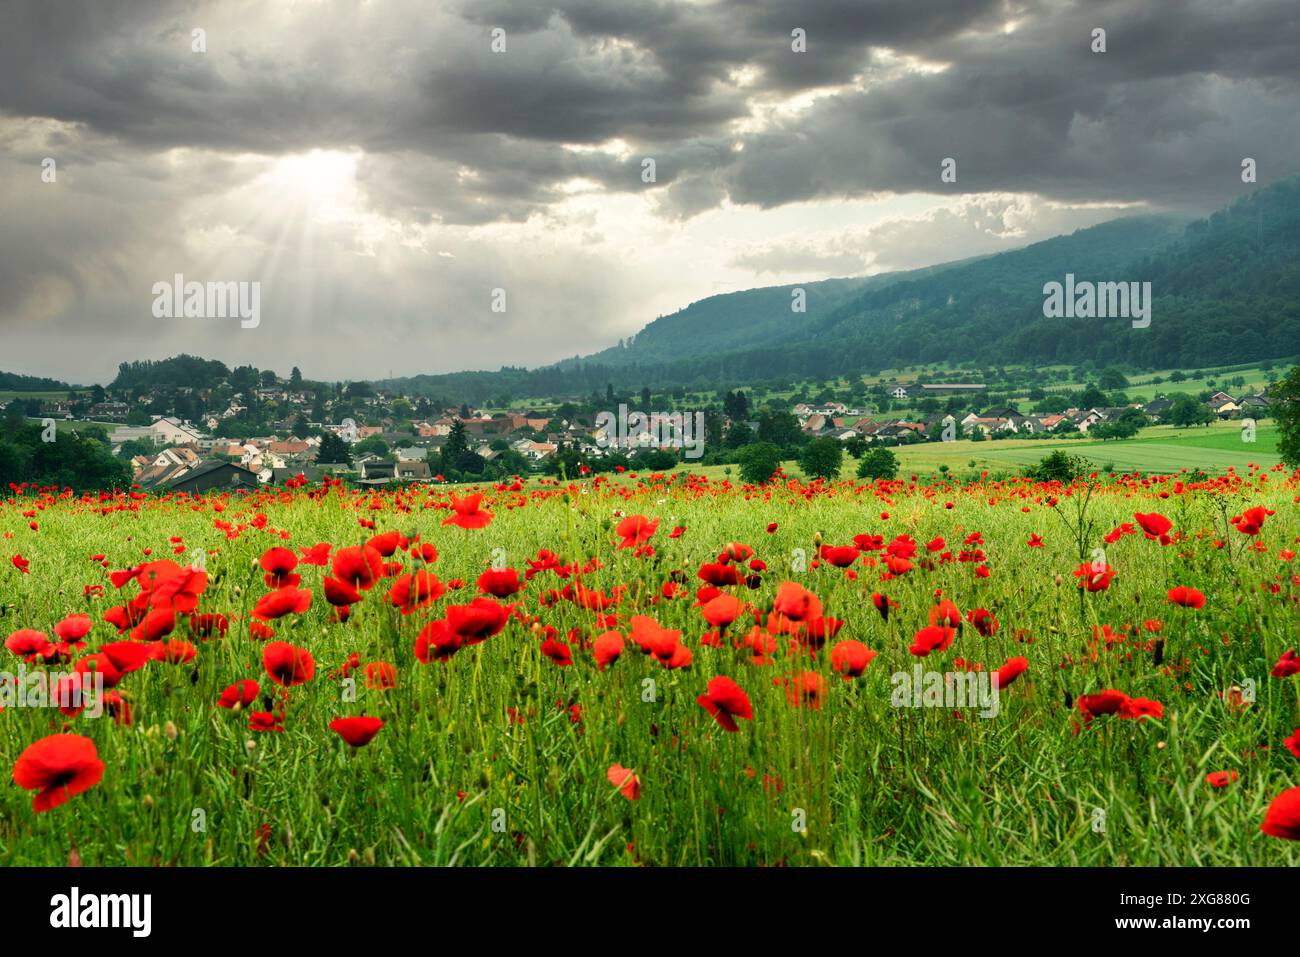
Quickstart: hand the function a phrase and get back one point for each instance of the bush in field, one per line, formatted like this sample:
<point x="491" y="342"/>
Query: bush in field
<point x="1059" y="467"/>
<point x="878" y="464"/>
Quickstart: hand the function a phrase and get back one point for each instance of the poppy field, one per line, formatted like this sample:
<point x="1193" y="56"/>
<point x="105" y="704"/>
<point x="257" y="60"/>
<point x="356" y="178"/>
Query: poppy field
<point x="655" y="670"/>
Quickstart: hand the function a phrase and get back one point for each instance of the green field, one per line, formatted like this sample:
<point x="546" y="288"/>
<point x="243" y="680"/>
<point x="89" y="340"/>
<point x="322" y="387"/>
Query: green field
<point x="1158" y="449"/>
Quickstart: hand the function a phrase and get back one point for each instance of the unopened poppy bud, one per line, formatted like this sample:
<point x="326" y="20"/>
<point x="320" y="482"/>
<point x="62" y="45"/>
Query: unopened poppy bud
<point x="250" y="745"/>
<point x="74" y="857"/>
<point x="1160" y="745"/>
<point x="369" y="857"/>
<point x="169" y="729"/>
<point x="1059" y="580"/>
<point x="817" y="538"/>
<point x="353" y="856"/>
<point x="147" y="801"/>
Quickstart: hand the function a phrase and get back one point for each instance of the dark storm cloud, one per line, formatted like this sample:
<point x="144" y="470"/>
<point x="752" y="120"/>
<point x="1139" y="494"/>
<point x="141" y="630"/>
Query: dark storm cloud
<point x="663" y="77"/>
<point x="523" y="169"/>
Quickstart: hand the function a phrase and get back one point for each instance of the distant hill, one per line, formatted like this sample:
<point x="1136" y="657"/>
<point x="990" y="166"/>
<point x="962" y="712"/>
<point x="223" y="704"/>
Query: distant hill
<point x="12" y="382"/>
<point x="1226" y="290"/>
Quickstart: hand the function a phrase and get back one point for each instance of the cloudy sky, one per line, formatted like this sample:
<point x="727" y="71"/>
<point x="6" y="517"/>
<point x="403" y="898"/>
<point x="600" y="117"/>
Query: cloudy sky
<point x="379" y="168"/>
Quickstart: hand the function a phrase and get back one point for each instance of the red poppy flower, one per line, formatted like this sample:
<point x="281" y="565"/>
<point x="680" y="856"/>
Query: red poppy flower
<point x="288" y="665"/>
<point x="1282" y="819"/>
<point x="932" y="638"/>
<point x="417" y="590"/>
<point x="636" y="530"/>
<point x="283" y="601"/>
<point x="265" y="721"/>
<point x="722" y="610"/>
<point x="380" y="675"/>
<point x="1013" y="669"/>
<point x="882" y="604"/>
<point x="499" y="582"/>
<point x="1101" y="703"/>
<point x="478" y="621"/>
<point x="607" y="648"/>
<point x="1186" y="597"/>
<point x="805" y="689"/>
<point x="27" y="643"/>
<point x="387" y="543"/>
<point x="983" y="621"/>
<point x="1155" y="525"/>
<point x="73" y="628"/>
<point x="467" y="512"/>
<point x="1287" y="665"/>
<point x="720" y="575"/>
<point x="436" y="642"/>
<point x="725" y="700"/>
<point x="1293" y="743"/>
<point x="204" y="626"/>
<point x="171" y="587"/>
<point x="174" y="652"/>
<point x="340" y="593"/>
<point x="279" y="563"/>
<point x="850" y="658"/>
<point x="663" y="644"/>
<point x="1220" y="779"/>
<point x="558" y="652"/>
<point x="796" y="603"/>
<point x="359" y="566"/>
<point x="127" y="656"/>
<point x="21" y="564"/>
<point x="358" y="731"/>
<point x="317" y="554"/>
<point x="946" y="614"/>
<point x="58" y="767"/>
<point x="628" y="784"/>
<point x="159" y="623"/>
<point x="1094" y="577"/>
<point x="841" y="556"/>
<point x="1252" y="520"/>
<point x="241" y="693"/>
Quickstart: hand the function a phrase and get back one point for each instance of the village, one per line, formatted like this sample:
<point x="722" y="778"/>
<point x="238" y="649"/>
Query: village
<point x="402" y="438"/>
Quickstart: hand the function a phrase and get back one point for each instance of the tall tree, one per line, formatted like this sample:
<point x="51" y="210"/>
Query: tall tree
<point x="1284" y="402"/>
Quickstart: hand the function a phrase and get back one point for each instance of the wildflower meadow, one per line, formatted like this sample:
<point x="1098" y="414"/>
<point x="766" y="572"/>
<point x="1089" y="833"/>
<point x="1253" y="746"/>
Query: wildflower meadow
<point x="655" y="669"/>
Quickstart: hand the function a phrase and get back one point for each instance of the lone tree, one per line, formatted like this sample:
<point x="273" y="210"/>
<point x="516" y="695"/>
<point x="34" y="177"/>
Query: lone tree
<point x="1187" y="411"/>
<point x="333" y="451"/>
<point x="1284" y="403"/>
<point x="879" y="463"/>
<point x="758" y="461"/>
<point x="821" y="458"/>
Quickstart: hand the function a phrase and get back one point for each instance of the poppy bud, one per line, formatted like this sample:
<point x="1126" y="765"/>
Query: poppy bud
<point x="74" y="858"/>
<point x="1059" y="580"/>
<point x="369" y="857"/>
<point x="169" y="729"/>
<point x="353" y="856"/>
<point x="147" y="801"/>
